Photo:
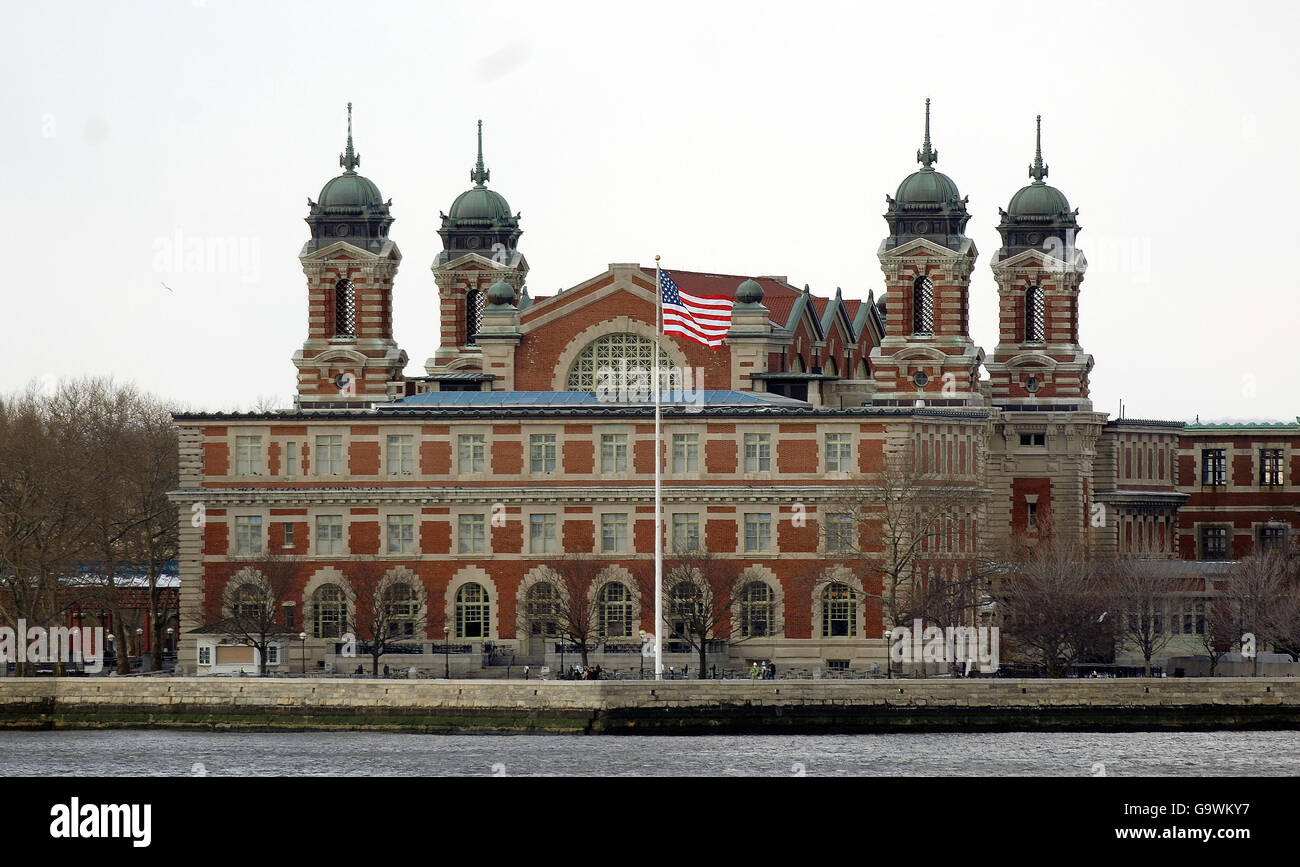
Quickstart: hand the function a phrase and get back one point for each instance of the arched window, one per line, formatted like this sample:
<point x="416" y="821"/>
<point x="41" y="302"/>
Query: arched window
<point x="839" y="611"/>
<point x="401" y="610"/>
<point x="1035" y="329"/>
<point x="542" y="609"/>
<point x="757" y="610"/>
<point x="473" y="612"/>
<point x="329" y="612"/>
<point x="249" y="603"/>
<point x="687" y="610"/>
<point x="621" y="360"/>
<point x="615" y="611"/>
<point x="473" y="315"/>
<point x="923" y="305"/>
<point x="345" y="309"/>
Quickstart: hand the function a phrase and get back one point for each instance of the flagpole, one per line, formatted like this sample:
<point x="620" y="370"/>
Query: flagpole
<point x="659" y="458"/>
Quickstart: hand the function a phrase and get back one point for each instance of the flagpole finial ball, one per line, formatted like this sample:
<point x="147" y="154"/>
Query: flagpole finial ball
<point x="656" y="257"/>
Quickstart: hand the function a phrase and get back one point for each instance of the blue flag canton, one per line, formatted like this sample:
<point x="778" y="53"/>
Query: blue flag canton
<point x="668" y="289"/>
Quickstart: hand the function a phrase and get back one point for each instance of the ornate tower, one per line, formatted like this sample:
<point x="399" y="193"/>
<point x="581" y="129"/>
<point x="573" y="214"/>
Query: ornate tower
<point x="927" y="353"/>
<point x="349" y="359"/>
<point x="1046" y="439"/>
<point x="1038" y="359"/>
<point x="480" y="241"/>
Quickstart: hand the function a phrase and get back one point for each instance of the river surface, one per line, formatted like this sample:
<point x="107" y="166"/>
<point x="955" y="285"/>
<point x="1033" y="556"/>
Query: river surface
<point x="172" y="753"/>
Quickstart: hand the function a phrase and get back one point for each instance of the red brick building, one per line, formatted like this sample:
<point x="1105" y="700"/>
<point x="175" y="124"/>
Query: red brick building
<point x="521" y="442"/>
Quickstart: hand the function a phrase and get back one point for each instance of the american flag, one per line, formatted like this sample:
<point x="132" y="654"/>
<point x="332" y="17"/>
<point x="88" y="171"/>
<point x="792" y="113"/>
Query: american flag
<point x="702" y="318"/>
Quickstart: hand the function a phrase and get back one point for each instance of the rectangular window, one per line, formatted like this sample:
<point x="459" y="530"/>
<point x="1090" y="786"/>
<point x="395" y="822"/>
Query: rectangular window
<point x="1033" y="439"/>
<point x="471" y="453"/>
<point x="288" y="535"/>
<point x="1214" y="467"/>
<point x="205" y="654"/>
<point x="248" y="456"/>
<point x="1031" y="516"/>
<point x="1214" y="543"/>
<point x="329" y="534"/>
<point x="1272" y="538"/>
<point x="288" y="617"/>
<point x="758" y="531"/>
<point x="839" y="453"/>
<point x="541" y="534"/>
<point x="613" y="453"/>
<point x="541" y="451"/>
<point x="273" y="654"/>
<point x="329" y="455"/>
<point x="290" y="460"/>
<point x="472" y="536"/>
<point x="401" y="534"/>
<point x="248" y="534"/>
<point x="613" y="533"/>
<point x="1270" y="467"/>
<point x="686" y="453"/>
<point x="839" y="532"/>
<point x="401" y="455"/>
<point x="686" y="532"/>
<point x="758" y="452"/>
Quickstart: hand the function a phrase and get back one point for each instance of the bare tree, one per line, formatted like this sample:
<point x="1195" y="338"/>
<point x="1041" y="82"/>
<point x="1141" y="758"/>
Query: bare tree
<point x="702" y="595"/>
<point x="1140" y="593"/>
<point x="390" y="605"/>
<point x="250" y="609"/>
<point x="43" y="525"/>
<point x="1252" y="593"/>
<point x="1054" y="603"/>
<point x="564" y="599"/>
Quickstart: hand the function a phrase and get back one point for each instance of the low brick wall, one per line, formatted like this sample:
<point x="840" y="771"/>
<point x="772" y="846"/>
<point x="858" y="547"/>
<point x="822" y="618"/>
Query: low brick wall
<point x="649" y="707"/>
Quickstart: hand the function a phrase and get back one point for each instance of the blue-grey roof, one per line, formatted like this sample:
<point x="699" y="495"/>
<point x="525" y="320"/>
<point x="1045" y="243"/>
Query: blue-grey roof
<point x="571" y="398"/>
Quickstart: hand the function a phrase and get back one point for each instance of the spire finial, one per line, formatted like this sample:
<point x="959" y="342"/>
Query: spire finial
<point x="480" y="175"/>
<point x="927" y="156"/>
<point x="1038" y="171"/>
<point x="349" y="159"/>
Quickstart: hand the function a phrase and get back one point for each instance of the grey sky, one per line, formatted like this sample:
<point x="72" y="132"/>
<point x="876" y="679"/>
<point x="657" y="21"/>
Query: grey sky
<point x="736" y="138"/>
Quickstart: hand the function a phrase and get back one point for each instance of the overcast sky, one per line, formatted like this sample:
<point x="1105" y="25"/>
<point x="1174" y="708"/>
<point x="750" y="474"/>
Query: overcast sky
<point x="734" y="138"/>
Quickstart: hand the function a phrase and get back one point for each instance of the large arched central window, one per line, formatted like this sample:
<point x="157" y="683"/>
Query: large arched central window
<point x="923" y="305"/>
<point x="1035" y="325"/>
<point x="621" y="360"/>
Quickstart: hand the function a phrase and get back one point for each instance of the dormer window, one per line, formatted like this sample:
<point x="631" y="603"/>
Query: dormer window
<point x="345" y="309"/>
<point x="923" y="306"/>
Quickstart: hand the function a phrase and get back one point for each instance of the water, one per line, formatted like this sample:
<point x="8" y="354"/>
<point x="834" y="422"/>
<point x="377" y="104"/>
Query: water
<point x="172" y="753"/>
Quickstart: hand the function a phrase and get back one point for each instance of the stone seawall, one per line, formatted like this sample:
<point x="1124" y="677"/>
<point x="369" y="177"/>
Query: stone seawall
<point x="646" y="707"/>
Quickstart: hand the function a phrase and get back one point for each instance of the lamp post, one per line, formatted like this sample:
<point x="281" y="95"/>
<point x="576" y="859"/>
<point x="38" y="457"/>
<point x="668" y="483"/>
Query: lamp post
<point x="446" y="651"/>
<point x="302" y="636"/>
<point x="171" y="640"/>
<point x="889" y="660"/>
<point x="139" y="644"/>
<point x="641" y="653"/>
<point x="112" y="646"/>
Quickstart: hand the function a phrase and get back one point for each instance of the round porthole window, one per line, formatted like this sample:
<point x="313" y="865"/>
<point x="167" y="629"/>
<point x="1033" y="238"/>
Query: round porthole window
<point x="1032" y="384"/>
<point x="922" y="227"/>
<point x="920" y="379"/>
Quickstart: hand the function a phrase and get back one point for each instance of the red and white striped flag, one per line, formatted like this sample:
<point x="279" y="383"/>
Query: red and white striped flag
<point x="702" y="318"/>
